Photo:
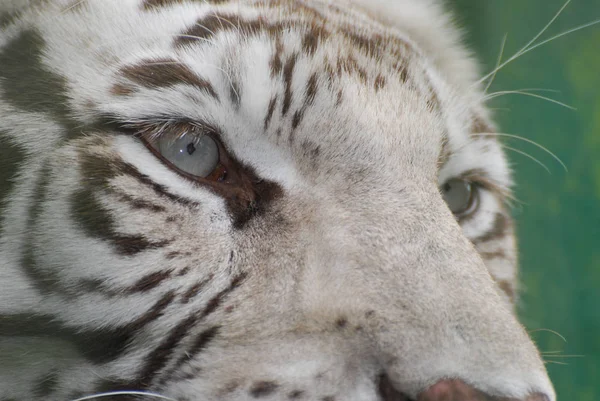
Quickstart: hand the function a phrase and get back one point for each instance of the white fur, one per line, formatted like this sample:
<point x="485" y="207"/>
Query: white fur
<point x="360" y="232"/>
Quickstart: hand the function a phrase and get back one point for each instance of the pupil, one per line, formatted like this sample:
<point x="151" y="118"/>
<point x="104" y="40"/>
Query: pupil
<point x="190" y="148"/>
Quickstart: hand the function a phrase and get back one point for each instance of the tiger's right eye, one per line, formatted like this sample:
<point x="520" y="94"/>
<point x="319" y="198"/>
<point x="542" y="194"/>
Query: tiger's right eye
<point x="195" y="155"/>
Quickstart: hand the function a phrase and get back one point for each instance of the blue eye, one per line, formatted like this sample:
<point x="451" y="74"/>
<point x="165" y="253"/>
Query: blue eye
<point x="460" y="196"/>
<point x="194" y="155"/>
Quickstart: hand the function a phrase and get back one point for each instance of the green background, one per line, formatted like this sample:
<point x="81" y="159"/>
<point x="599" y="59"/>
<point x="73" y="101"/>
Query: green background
<point x="558" y="213"/>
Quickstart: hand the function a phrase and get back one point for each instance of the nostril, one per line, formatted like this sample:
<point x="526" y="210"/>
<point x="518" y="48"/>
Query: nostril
<point x="457" y="390"/>
<point x="387" y="392"/>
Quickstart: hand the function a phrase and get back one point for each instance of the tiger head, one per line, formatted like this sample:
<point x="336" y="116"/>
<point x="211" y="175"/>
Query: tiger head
<point x="236" y="200"/>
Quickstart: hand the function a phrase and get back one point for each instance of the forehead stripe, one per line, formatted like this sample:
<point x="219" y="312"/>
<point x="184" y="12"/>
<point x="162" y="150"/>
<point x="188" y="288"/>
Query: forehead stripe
<point x="155" y="4"/>
<point x="165" y="73"/>
<point x="208" y="27"/>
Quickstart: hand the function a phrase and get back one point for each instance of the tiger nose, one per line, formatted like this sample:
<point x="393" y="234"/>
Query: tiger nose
<point x="456" y="390"/>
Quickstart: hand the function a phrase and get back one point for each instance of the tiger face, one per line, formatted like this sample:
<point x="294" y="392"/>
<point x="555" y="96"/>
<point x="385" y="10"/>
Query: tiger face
<point x="236" y="200"/>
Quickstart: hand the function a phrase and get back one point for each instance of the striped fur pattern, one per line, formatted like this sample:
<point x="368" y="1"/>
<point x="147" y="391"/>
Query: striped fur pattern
<point x="330" y="269"/>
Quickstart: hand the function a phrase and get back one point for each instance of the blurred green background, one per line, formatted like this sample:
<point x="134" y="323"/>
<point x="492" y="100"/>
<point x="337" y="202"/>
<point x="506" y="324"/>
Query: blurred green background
<point x="558" y="213"/>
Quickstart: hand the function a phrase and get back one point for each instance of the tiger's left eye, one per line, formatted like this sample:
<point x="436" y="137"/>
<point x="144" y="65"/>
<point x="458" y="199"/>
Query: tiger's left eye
<point x="460" y="196"/>
<point x="197" y="156"/>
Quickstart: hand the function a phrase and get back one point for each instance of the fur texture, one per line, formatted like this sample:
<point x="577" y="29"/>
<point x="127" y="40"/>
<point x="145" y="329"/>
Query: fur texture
<point x="328" y="262"/>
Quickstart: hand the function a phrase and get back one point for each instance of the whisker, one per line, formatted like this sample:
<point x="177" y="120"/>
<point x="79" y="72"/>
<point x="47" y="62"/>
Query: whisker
<point x="502" y="93"/>
<point x="528" y="156"/>
<point x="497" y="63"/>
<point x="550" y="331"/>
<point x="113" y="393"/>
<point x="72" y="6"/>
<point x="564" y="356"/>
<point x="556" y="362"/>
<point x="221" y="19"/>
<point x="560" y="35"/>
<point x="525" y="48"/>
<point x="531" y="90"/>
<point x="199" y="38"/>
<point x="554" y="156"/>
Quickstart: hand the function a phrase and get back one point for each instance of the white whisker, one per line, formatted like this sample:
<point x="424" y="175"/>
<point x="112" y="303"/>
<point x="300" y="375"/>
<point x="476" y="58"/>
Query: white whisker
<point x="560" y="35"/>
<point x="557" y="363"/>
<point x="528" y="47"/>
<point x="563" y="356"/>
<point x="497" y="63"/>
<point x="493" y="134"/>
<point x="528" y="156"/>
<point x="72" y="6"/>
<point x="550" y="331"/>
<point x="534" y="90"/>
<point x="113" y="393"/>
<point x="194" y="37"/>
<point x="518" y="92"/>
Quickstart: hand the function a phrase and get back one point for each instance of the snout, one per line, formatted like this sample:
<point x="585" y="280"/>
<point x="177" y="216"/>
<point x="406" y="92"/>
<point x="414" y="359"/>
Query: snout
<point x="426" y="304"/>
<point x="448" y="390"/>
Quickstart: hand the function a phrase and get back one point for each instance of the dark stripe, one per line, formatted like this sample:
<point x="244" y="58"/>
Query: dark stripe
<point x="311" y="150"/>
<point x="497" y="230"/>
<point x="263" y="389"/>
<point x="500" y="254"/>
<point x="508" y="289"/>
<point x="288" y="74"/>
<point x="445" y="152"/>
<point x="46" y="385"/>
<point x="139" y="204"/>
<point x="206" y="28"/>
<point x="195" y="289"/>
<point x="43" y="279"/>
<point x="11" y="157"/>
<point x="97" y="222"/>
<point x="214" y="303"/>
<point x="311" y="89"/>
<point x="276" y="64"/>
<point x="296" y="120"/>
<point x="311" y="93"/>
<point x="166" y="73"/>
<point x="98" y="170"/>
<point x="311" y="39"/>
<point x="98" y="346"/>
<point x="150" y="281"/>
<point x="7" y="18"/>
<point x="433" y="102"/>
<point x="200" y="344"/>
<point x="130" y="170"/>
<point x="158" y="358"/>
<point x="154" y="313"/>
<point x="481" y="126"/>
<point x="380" y="82"/>
<point x="235" y="94"/>
<point x="122" y="89"/>
<point x="156" y="4"/>
<point x="370" y="45"/>
<point x="270" y="112"/>
<point x="27" y="84"/>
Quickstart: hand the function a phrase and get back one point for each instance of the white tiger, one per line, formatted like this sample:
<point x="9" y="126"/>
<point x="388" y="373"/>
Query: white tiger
<point x="252" y="199"/>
